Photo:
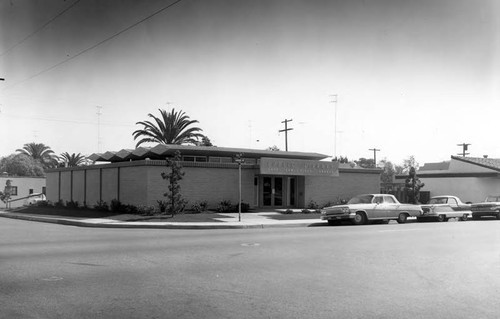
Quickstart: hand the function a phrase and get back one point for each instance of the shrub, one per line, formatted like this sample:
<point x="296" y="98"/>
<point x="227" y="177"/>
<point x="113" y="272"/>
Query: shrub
<point x="116" y="206"/>
<point x="129" y="209"/>
<point x="225" y="206"/>
<point x="59" y="203"/>
<point x="288" y="211"/>
<point x="72" y="204"/>
<point x="306" y="211"/>
<point x="162" y="205"/>
<point x="312" y="205"/>
<point x="101" y="206"/>
<point x="199" y="207"/>
<point x="146" y="210"/>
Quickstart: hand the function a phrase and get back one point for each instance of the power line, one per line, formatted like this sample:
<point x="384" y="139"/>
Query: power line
<point x="95" y="45"/>
<point x="40" y="28"/>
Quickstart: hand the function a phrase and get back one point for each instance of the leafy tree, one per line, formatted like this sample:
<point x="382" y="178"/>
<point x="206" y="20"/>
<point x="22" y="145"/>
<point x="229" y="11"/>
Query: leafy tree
<point x="365" y="162"/>
<point x="205" y="141"/>
<point x="388" y="173"/>
<point x="410" y="162"/>
<point x="21" y="165"/>
<point x="41" y="153"/>
<point x="273" y="148"/>
<point x="175" y="203"/>
<point x="340" y="159"/>
<point x="72" y="160"/>
<point x="170" y="128"/>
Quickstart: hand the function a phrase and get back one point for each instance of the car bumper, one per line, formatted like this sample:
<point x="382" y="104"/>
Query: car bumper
<point x="485" y="213"/>
<point x="338" y="217"/>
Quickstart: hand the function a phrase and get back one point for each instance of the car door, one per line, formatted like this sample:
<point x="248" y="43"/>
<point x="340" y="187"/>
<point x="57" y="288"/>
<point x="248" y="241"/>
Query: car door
<point x="391" y="207"/>
<point x="380" y="208"/>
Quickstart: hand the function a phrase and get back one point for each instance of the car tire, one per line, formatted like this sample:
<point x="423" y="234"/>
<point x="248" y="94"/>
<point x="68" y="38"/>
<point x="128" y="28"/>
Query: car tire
<point x="359" y="219"/>
<point x="464" y="217"/>
<point x="498" y="216"/>
<point x="402" y="218"/>
<point x="333" y="222"/>
<point x="441" y="218"/>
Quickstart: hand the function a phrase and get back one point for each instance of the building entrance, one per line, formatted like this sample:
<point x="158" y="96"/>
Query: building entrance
<point x="279" y="191"/>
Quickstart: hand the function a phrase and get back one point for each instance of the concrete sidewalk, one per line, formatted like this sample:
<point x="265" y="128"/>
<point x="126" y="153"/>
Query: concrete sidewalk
<point x="248" y="220"/>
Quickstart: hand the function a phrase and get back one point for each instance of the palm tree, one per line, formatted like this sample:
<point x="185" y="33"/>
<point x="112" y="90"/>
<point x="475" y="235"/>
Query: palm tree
<point x="39" y="152"/>
<point x="72" y="160"/>
<point x="171" y="128"/>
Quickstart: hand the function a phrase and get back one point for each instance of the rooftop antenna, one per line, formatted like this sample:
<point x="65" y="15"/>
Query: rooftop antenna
<point x="99" y="128"/>
<point x="465" y="147"/>
<point x="334" y="100"/>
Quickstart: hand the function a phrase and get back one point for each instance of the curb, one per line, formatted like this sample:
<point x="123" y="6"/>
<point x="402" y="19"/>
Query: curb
<point x="72" y="222"/>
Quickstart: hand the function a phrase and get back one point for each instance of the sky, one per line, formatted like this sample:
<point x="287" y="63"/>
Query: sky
<point x="411" y="77"/>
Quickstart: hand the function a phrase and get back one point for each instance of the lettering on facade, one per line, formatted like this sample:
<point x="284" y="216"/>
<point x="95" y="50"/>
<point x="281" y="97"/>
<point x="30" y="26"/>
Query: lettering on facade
<point x="278" y="166"/>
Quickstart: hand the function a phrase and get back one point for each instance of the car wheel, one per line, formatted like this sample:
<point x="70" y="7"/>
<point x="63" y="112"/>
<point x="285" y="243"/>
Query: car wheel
<point x="441" y="218"/>
<point x="464" y="217"/>
<point x="333" y="222"/>
<point x="359" y="219"/>
<point x="498" y="216"/>
<point x="402" y="218"/>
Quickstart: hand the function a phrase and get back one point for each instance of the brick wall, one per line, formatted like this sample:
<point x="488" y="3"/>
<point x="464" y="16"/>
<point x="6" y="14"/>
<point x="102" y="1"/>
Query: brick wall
<point x="329" y="189"/>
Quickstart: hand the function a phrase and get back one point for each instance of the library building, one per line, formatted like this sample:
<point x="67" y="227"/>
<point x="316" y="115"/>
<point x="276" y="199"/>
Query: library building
<point x="269" y="179"/>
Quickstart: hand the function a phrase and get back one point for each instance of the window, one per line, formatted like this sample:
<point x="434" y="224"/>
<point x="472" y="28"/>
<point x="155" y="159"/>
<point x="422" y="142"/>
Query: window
<point x="31" y="191"/>
<point x="13" y="191"/>
<point x="378" y="200"/>
<point x="389" y="199"/>
<point x="217" y="159"/>
<point x="44" y="190"/>
<point x="194" y="158"/>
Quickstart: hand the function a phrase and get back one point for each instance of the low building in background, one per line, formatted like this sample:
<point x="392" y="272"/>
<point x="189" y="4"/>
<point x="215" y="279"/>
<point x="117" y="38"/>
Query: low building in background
<point x="21" y="188"/>
<point x="269" y="179"/>
<point x="469" y="178"/>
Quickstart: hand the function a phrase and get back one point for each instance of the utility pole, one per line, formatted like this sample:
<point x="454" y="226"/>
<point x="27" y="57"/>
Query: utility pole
<point x="238" y="158"/>
<point x="99" y="128"/>
<point x="286" y="132"/>
<point x="334" y="100"/>
<point x="375" y="150"/>
<point x="465" y="147"/>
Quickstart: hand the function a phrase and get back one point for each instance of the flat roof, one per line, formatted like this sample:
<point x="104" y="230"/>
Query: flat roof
<point x="161" y="151"/>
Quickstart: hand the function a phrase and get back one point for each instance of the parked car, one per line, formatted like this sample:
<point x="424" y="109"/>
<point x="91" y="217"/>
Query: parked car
<point x="370" y="207"/>
<point x="36" y="198"/>
<point x="441" y="208"/>
<point x="490" y="207"/>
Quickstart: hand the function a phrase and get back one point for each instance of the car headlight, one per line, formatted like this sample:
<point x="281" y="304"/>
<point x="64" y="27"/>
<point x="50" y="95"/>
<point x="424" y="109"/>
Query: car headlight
<point x="345" y="210"/>
<point x="495" y="208"/>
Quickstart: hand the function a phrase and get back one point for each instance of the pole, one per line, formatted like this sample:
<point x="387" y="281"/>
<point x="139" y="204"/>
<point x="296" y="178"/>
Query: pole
<point x="375" y="150"/>
<point x="335" y="123"/>
<point x="99" y="128"/>
<point x="286" y="132"/>
<point x="238" y="158"/>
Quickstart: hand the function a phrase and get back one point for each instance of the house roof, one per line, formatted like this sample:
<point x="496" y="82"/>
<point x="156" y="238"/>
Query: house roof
<point x="161" y="151"/>
<point x="491" y="163"/>
<point x="435" y="166"/>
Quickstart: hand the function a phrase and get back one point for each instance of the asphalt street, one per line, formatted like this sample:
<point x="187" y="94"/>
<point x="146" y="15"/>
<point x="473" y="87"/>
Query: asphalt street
<point x="414" y="270"/>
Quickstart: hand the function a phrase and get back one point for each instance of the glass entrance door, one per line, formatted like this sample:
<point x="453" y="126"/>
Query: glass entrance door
<point x="272" y="191"/>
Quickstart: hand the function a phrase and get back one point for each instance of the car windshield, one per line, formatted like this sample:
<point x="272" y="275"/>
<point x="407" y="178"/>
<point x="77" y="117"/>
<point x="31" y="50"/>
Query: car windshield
<point x="361" y="199"/>
<point x="439" y="200"/>
<point x="493" y="199"/>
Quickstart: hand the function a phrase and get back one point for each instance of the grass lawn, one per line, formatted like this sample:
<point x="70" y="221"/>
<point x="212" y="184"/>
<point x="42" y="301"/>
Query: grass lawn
<point x="91" y="213"/>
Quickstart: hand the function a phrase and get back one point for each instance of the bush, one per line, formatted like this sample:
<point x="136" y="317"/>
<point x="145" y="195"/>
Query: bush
<point x="72" y="204"/>
<point x="306" y="211"/>
<point x="162" y="205"/>
<point x="101" y="206"/>
<point x="225" y="206"/>
<point x="312" y="205"/>
<point x="288" y="211"/>
<point x="146" y="210"/>
<point x="199" y="207"/>
<point x="59" y="203"/>
<point x="116" y="206"/>
<point x="129" y="209"/>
